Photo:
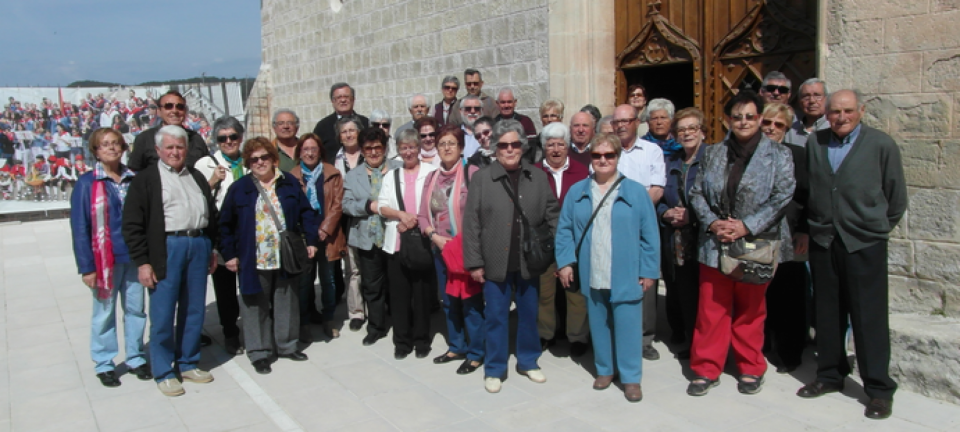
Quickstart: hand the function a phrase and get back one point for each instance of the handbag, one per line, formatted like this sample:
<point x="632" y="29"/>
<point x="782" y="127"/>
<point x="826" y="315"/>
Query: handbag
<point x="294" y="258"/>
<point x="414" y="251"/>
<point x="537" y="244"/>
<point x="575" y="284"/>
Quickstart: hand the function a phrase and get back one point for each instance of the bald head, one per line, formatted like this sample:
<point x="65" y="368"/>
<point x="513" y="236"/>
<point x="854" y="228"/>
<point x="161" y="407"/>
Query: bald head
<point x="844" y="111"/>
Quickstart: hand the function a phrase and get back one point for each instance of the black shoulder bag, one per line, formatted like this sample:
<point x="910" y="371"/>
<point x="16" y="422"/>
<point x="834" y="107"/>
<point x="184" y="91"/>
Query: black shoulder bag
<point x="575" y="284"/>
<point x="537" y="244"/>
<point x="293" y="248"/>
<point x="414" y="250"/>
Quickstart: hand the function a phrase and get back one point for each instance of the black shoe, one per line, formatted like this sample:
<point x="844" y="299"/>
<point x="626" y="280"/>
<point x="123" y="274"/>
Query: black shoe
<point x="547" y="343"/>
<point x="398" y="353"/>
<point x="356" y="324"/>
<point x="205" y="340"/>
<point x="879" y="409"/>
<point x="142" y="372"/>
<point x="262" y="366"/>
<point x="578" y="349"/>
<point x="371" y="338"/>
<point x="447" y="358"/>
<point x="109" y="379"/>
<point x="752" y="385"/>
<point x="295" y="356"/>
<point x="817" y="389"/>
<point x="651" y="353"/>
<point x="468" y="367"/>
<point x="423" y="352"/>
<point x="701" y="386"/>
<point x="233" y="346"/>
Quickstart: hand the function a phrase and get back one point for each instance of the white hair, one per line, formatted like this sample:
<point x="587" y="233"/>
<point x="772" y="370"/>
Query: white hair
<point x="555" y="130"/>
<point x="172" y="131"/>
<point x="410" y="100"/>
<point x="659" y="104"/>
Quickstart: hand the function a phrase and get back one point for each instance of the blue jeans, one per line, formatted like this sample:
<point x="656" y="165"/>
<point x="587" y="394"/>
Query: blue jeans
<point x="616" y="331"/>
<point x="497" y="323"/>
<point x="328" y="289"/>
<point x="464" y="317"/>
<point x="177" y="306"/>
<point x="103" y="328"/>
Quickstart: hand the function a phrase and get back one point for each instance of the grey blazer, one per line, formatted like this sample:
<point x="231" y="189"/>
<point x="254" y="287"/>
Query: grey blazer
<point x="489" y="214"/>
<point x="763" y="195"/>
<point x="356" y="196"/>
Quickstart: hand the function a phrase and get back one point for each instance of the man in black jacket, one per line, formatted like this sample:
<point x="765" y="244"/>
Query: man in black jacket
<point x="173" y="109"/>
<point x="342" y="96"/>
<point x="170" y="225"/>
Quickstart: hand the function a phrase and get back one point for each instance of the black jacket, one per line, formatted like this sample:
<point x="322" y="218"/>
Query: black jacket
<point x="144" y="229"/>
<point x="144" y="152"/>
<point x="326" y="129"/>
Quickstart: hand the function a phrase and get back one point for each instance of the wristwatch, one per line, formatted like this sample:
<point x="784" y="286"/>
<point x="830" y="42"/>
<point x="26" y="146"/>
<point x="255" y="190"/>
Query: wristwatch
<point x="432" y="233"/>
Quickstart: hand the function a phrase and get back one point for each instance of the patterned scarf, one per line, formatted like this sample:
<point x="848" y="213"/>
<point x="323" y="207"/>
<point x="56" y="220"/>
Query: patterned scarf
<point x="308" y="177"/>
<point x="375" y="222"/>
<point x="453" y="201"/>
<point x="236" y="166"/>
<point x="101" y="241"/>
<point x="669" y="145"/>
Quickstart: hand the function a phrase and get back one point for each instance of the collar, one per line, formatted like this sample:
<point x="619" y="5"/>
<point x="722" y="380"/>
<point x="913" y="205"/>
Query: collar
<point x="466" y="130"/>
<point x="849" y="139"/>
<point x="566" y="166"/>
<point x="99" y="173"/>
<point x="637" y="144"/>
<point x="573" y="147"/>
<point x="162" y="165"/>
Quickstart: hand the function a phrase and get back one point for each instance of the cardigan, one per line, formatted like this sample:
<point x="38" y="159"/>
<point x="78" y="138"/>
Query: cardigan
<point x="574" y="173"/>
<point x="356" y="200"/>
<point x="388" y="198"/>
<point x="238" y="224"/>
<point x="144" y="228"/>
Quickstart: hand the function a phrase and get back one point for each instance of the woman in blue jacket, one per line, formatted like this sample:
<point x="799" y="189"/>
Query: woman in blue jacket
<point x="614" y="298"/>
<point x="104" y="261"/>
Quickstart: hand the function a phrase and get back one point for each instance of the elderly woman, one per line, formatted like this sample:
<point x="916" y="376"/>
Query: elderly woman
<point x="250" y="244"/>
<point x="508" y="193"/>
<point x="562" y="172"/>
<point x="361" y="191"/>
<point x="742" y="188"/>
<point x="441" y="219"/>
<point x="379" y="118"/>
<point x="679" y="227"/>
<point x="659" y="118"/>
<point x="615" y="298"/>
<point x="551" y="111"/>
<point x="221" y="170"/>
<point x="786" y="330"/>
<point x="410" y="289"/>
<point x="605" y="125"/>
<point x="482" y="128"/>
<point x="323" y="185"/>
<point x="637" y="98"/>
<point x="349" y="157"/>
<point x="427" y="127"/>
<point x="104" y="261"/>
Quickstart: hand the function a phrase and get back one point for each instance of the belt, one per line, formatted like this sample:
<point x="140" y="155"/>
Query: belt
<point x="185" y="233"/>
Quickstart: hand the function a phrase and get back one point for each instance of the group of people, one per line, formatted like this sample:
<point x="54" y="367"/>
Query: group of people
<point x="469" y="205"/>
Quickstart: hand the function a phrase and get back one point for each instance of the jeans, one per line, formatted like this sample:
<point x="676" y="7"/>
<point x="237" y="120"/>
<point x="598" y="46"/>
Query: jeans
<point x="497" y="323"/>
<point x="177" y="307"/>
<point x="103" y="329"/>
<point x="464" y="318"/>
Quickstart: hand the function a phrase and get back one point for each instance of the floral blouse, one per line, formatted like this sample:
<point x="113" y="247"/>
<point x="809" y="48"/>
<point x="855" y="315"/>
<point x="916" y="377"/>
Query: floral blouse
<point x="268" y="235"/>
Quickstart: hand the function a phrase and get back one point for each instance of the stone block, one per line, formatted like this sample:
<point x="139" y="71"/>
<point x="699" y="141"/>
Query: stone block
<point x="923" y="32"/>
<point x="911" y="295"/>
<point x="944" y="5"/>
<point x="949" y="176"/>
<point x="921" y="162"/>
<point x="941" y="70"/>
<point x="900" y="257"/>
<point x="925" y="355"/>
<point x="938" y="261"/>
<point x="911" y="115"/>
<point x="934" y="215"/>
<point x="889" y="73"/>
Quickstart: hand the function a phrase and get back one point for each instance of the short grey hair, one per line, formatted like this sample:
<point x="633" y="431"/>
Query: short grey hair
<point x="659" y="104"/>
<point x="408" y="136"/>
<point x="814" y="81"/>
<point x="285" y="111"/>
<point x="504" y="127"/>
<point x="410" y="100"/>
<point x="555" y="130"/>
<point x="450" y="79"/>
<point x="604" y="120"/>
<point x="379" y="114"/>
<point x="513" y="92"/>
<point x="471" y="98"/>
<point x="340" y="85"/>
<point x="226" y="122"/>
<point x="172" y="131"/>
<point x="776" y="75"/>
<point x="856" y="95"/>
<point x="349" y="119"/>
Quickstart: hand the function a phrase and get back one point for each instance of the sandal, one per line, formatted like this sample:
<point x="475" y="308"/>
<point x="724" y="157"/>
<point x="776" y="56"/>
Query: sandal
<point x="700" y="386"/>
<point x="750" y="384"/>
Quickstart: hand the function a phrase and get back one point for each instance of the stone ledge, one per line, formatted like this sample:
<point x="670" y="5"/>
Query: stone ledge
<point x="925" y="355"/>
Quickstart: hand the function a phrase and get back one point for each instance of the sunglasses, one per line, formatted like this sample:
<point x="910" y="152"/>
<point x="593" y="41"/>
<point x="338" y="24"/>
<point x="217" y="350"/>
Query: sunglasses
<point x="470" y="109"/>
<point x="778" y="124"/>
<point x="225" y="138"/>
<point x="264" y="158"/>
<point x="454" y="88"/>
<point x="169" y="106"/>
<point x="381" y="125"/>
<point x="484" y="133"/>
<point x="428" y="135"/>
<point x="506" y="145"/>
<point x="373" y="149"/>
<point x="608" y="156"/>
<point x="748" y="117"/>
<point x="776" y="89"/>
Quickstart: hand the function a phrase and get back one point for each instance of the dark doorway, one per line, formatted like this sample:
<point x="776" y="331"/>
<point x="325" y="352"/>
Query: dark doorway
<point x="673" y="82"/>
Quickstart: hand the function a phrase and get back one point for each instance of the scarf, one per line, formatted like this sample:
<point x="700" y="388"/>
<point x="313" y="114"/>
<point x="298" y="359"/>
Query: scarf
<point x="454" y="175"/>
<point x="311" y="177"/>
<point x="487" y="152"/>
<point x="101" y="241"/>
<point x="375" y="222"/>
<point x="738" y="156"/>
<point x="236" y="166"/>
<point x="668" y="145"/>
<point x="428" y="153"/>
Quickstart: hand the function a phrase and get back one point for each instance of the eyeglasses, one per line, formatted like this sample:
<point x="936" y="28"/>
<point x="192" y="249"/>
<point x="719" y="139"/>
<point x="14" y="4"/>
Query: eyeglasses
<point x="452" y="88"/>
<point x="484" y="133"/>
<point x="776" y="89"/>
<point x="506" y="102"/>
<point x="778" y="124"/>
<point x="255" y="159"/>
<point x="621" y="122"/>
<point x="224" y="138"/>
<point x="688" y="129"/>
<point x="473" y="84"/>
<point x="470" y="108"/>
<point x="636" y="95"/>
<point x="373" y="149"/>
<point x="309" y="151"/>
<point x="747" y="117"/>
<point x="284" y="123"/>
<point x="506" y="145"/>
<point x="428" y="135"/>
<point x="608" y="156"/>
<point x="384" y="125"/>
<point x="551" y="116"/>
<point x="169" y="106"/>
<point x="446" y="144"/>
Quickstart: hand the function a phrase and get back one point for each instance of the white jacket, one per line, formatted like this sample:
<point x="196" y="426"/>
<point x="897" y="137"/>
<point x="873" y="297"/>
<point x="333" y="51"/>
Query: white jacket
<point x="388" y="198"/>
<point x="207" y="164"/>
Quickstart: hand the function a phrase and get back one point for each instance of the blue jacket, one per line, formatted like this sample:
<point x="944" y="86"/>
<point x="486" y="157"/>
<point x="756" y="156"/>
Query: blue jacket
<point x="672" y="194"/>
<point x="238" y="223"/>
<point x="80" y="224"/>
<point x="635" y="245"/>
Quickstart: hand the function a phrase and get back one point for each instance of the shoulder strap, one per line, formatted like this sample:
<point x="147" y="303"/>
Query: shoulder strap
<point x="266" y="200"/>
<point x="516" y="203"/>
<point x="594" y="215"/>
<point x="396" y="188"/>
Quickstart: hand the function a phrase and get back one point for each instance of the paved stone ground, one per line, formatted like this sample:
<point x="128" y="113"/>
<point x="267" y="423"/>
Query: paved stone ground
<point x="47" y="380"/>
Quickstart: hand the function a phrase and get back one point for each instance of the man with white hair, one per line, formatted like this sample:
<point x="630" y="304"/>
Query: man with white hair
<point x="170" y="226"/>
<point x="582" y="130"/>
<point x="470" y="110"/>
<point x="419" y="108"/>
<point x="813" y="102"/>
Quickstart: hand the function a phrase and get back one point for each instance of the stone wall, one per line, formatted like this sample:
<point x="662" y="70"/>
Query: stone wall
<point x="389" y="50"/>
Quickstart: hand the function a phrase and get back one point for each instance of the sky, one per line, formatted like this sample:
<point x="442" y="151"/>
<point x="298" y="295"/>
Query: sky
<point x="56" y="42"/>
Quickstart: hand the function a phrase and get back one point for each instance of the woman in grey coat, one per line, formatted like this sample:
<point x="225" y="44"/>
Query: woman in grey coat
<point x="492" y="241"/>
<point x="743" y="188"/>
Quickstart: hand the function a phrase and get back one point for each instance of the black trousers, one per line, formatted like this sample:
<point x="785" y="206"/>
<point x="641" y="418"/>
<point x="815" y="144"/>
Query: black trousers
<point x="228" y="307"/>
<point x="785" y="331"/>
<point x="853" y="284"/>
<point x="683" y="298"/>
<point x="411" y="296"/>
<point x="373" y="287"/>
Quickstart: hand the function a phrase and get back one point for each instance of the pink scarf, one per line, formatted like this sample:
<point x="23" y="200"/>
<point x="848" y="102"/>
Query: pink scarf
<point x="454" y="202"/>
<point x="101" y="243"/>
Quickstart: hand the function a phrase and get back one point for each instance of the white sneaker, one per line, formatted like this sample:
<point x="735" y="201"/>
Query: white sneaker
<point x="535" y="375"/>
<point x="491" y="384"/>
<point x="170" y="387"/>
<point x="197" y="376"/>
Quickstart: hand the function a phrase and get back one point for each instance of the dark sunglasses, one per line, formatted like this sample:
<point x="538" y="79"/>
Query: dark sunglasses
<point x="506" y="145"/>
<point x="381" y="125"/>
<point x="748" y="117"/>
<point x="768" y="122"/>
<point x="454" y="88"/>
<point x="608" y="156"/>
<point x="470" y="109"/>
<point x="776" y="89"/>
<point x="224" y="138"/>
<point x="255" y="159"/>
<point x="170" y="106"/>
<point x="428" y="135"/>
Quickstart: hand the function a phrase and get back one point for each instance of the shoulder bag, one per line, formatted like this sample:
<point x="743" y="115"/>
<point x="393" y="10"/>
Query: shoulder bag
<point x="575" y="284"/>
<point x="414" y="251"/>
<point x="537" y="244"/>
<point x="293" y="248"/>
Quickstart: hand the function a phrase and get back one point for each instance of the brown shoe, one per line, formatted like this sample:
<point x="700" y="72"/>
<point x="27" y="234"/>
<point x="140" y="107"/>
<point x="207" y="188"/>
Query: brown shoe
<point x="633" y="392"/>
<point x="879" y="409"/>
<point x="602" y="382"/>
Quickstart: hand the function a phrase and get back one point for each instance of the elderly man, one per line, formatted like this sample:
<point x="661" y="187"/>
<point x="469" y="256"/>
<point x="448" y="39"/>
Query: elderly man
<point x="582" y="129"/>
<point x="286" y="124"/>
<point x="173" y="109"/>
<point x="418" y="107"/>
<point x="507" y="101"/>
<point x="469" y="113"/>
<point x="442" y="110"/>
<point x="342" y="96"/>
<point x="474" y="82"/>
<point x="775" y="88"/>
<point x="641" y="161"/>
<point x="562" y="172"/>
<point x="659" y="117"/>
<point x="169" y="225"/>
<point x="813" y="98"/>
<point x="857" y="196"/>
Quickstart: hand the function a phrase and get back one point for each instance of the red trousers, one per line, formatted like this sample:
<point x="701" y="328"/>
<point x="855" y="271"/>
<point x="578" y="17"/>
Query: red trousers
<point x="730" y="313"/>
